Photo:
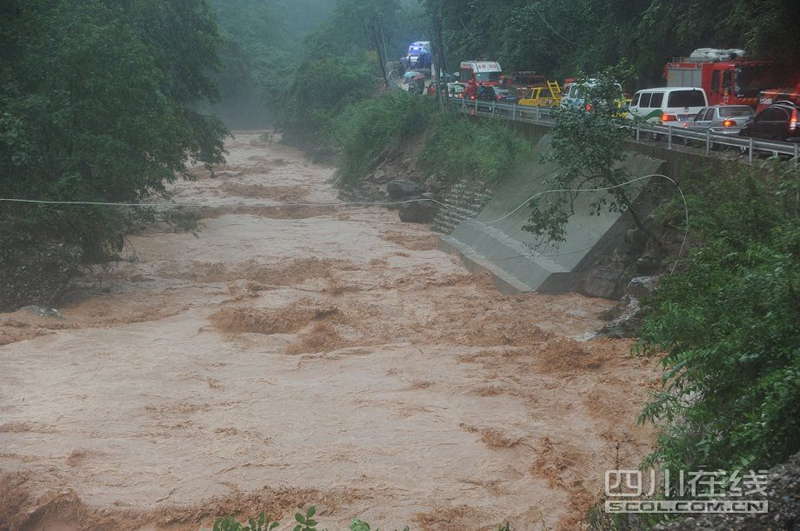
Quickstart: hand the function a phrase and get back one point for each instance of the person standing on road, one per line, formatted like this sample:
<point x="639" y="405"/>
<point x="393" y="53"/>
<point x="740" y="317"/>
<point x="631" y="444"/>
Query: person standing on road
<point x="471" y="92"/>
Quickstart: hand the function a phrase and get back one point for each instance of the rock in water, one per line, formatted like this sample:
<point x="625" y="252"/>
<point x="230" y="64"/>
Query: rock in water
<point x="418" y="212"/>
<point x="603" y="282"/>
<point x="641" y="287"/>
<point x="626" y="317"/>
<point x="400" y="190"/>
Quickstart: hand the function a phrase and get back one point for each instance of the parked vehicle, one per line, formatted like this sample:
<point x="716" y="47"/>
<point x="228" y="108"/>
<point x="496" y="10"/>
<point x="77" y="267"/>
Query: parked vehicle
<point x="779" y="121"/>
<point x="574" y="96"/>
<point x="540" y="96"/>
<point x="565" y="90"/>
<point x="492" y="94"/>
<point x="414" y="82"/>
<point x="503" y="95"/>
<point x="482" y="72"/>
<point x="722" y="119"/>
<point x="419" y="53"/>
<point x="768" y="97"/>
<point x="667" y="105"/>
<point x="455" y="90"/>
<point x="726" y="76"/>
<point x="577" y="97"/>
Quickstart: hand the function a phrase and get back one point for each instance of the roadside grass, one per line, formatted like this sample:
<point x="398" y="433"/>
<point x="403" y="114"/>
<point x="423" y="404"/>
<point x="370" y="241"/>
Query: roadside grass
<point x="455" y="147"/>
<point x="370" y="130"/>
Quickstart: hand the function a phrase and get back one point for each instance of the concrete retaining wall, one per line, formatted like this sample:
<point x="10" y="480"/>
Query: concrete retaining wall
<point x="519" y="260"/>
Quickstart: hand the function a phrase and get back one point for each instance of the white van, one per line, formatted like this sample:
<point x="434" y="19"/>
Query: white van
<point x="668" y="105"/>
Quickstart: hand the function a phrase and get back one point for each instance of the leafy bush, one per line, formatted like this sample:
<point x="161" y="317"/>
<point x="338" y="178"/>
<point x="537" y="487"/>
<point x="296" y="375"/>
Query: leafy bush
<point x="368" y="131"/>
<point x="457" y="147"/>
<point x="454" y="147"/>
<point x="728" y="325"/>
<point x="259" y="523"/>
<point x="305" y="522"/>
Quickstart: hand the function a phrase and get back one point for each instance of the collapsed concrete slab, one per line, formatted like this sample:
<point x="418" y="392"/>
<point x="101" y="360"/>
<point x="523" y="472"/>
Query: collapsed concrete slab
<point x="520" y="261"/>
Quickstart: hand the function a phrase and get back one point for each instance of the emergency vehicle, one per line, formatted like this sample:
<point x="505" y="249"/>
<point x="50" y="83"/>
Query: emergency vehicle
<point x="482" y="72"/>
<point x="727" y="76"/>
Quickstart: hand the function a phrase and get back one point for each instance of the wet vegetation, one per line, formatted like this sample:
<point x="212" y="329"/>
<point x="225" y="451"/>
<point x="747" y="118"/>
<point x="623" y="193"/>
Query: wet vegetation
<point x="451" y="147"/>
<point x="98" y="104"/>
<point x="342" y="63"/>
<point x="728" y="325"/>
<point x="562" y="38"/>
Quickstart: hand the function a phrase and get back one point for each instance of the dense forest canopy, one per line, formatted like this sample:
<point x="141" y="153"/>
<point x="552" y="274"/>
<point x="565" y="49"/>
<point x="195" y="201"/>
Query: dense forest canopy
<point x="98" y="102"/>
<point x="561" y="38"/>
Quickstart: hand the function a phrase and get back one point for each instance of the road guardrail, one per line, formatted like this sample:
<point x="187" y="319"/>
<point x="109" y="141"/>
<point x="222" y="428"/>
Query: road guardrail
<point x="546" y="116"/>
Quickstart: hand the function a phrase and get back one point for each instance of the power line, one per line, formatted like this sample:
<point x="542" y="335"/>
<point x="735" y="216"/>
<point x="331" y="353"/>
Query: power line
<point x="367" y="204"/>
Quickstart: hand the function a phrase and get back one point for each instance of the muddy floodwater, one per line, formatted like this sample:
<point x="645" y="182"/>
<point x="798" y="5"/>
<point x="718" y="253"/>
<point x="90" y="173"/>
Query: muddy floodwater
<point x="287" y="356"/>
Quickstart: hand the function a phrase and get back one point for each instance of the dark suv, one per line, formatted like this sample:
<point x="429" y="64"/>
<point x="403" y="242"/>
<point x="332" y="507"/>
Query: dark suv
<point x="779" y="121"/>
<point x="488" y="94"/>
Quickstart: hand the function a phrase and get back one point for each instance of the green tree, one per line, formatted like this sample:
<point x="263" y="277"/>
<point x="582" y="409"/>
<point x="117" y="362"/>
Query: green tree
<point x="728" y="326"/>
<point x="589" y="148"/>
<point x="343" y="63"/>
<point x="98" y="104"/>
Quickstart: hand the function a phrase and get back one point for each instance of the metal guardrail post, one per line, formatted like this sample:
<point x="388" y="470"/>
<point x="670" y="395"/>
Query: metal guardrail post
<point x="514" y="113"/>
<point x="638" y="133"/>
<point x="796" y="155"/>
<point x="750" y="151"/>
<point x="708" y="141"/>
<point x="538" y="114"/>
<point x="669" y="137"/>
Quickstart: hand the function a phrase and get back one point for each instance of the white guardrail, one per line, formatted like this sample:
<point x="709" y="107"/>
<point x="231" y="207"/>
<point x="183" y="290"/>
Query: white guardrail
<point x="547" y="117"/>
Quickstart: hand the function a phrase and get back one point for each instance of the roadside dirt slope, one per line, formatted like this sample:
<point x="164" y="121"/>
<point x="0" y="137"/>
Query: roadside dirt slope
<point x="288" y="356"/>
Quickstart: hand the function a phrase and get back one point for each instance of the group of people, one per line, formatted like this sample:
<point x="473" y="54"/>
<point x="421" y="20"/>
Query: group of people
<point x="471" y="90"/>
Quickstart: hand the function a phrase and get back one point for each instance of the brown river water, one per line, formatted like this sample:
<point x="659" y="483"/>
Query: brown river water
<point x="292" y="356"/>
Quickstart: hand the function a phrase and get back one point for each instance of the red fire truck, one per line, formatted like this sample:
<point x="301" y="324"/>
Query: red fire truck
<point x="482" y="72"/>
<point x="726" y="75"/>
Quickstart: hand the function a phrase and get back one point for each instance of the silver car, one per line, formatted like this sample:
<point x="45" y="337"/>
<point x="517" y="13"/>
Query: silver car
<point x="722" y="119"/>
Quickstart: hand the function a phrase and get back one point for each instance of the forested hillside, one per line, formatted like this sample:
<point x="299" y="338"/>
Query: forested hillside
<point x="341" y="64"/>
<point x="97" y="103"/>
<point x="561" y="38"/>
<point x="261" y="47"/>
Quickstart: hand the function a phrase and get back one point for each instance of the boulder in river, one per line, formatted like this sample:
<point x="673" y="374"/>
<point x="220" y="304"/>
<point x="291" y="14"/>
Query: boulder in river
<point x="399" y="190"/>
<point x="418" y="212"/>
<point x="626" y="316"/>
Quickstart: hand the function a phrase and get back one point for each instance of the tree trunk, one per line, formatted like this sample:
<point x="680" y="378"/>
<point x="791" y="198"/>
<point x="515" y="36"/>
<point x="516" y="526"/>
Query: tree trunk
<point x="440" y="59"/>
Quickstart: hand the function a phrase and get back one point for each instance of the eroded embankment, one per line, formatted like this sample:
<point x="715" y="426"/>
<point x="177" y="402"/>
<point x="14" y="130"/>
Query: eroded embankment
<point x="308" y="355"/>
